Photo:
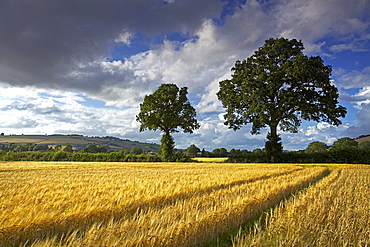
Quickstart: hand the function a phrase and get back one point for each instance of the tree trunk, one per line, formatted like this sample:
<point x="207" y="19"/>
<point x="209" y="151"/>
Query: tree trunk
<point x="273" y="132"/>
<point x="273" y="146"/>
<point x="167" y="146"/>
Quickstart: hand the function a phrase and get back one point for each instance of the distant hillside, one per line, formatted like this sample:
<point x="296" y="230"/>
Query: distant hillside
<point x="78" y="141"/>
<point x="363" y="138"/>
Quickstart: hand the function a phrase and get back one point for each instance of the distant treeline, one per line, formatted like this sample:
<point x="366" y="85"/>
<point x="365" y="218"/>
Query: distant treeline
<point x="91" y="153"/>
<point x="78" y="156"/>
<point x="89" y="148"/>
<point x="362" y="136"/>
<point x="24" y="148"/>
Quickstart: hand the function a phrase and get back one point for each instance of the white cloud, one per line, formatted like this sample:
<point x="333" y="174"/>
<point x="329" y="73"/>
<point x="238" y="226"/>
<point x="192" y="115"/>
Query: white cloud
<point x="353" y="78"/>
<point x="9" y="92"/>
<point x="362" y="97"/>
<point x="124" y="38"/>
<point x="61" y="112"/>
<point x="193" y="63"/>
<point x="214" y="134"/>
<point x="209" y="102"/>
<point x="322" y="132"/>
<point x="311" y="20"/>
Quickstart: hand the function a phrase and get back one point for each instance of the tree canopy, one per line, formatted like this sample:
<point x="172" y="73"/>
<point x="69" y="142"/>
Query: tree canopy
<point x="279" y="86"/>
<point x="316" y="147"/>
<point x="345" y="142"/>
<point x="136" y="150"/>
<point x="91" y="148"/>
<point x="68" y="148"/>
<point x="167" y="110"/>
<point x="192" y="151"/>
<point x="364" y="144"/>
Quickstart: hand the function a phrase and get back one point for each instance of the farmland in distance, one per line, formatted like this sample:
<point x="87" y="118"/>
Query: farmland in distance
<point x="156" y="204"/>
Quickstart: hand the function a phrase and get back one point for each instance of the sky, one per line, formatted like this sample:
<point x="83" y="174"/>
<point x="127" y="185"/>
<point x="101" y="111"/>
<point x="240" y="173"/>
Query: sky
<point x="84" y="66"/>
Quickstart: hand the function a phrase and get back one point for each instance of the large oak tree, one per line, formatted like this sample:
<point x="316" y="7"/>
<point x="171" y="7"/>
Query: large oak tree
<point x="279" y="86"/>
<point x="167" y="110"/>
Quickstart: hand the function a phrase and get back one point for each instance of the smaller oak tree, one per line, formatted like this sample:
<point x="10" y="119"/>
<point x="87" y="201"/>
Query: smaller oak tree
<point x="167" y="109"/>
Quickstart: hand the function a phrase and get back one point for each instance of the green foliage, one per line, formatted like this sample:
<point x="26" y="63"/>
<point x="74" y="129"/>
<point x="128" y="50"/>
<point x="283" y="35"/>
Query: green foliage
<point x="364" y="145"/>
<point x="78" y="157"/>
<point x="344" y="143"/>
<point x="192" y="151"/>
<point x="347" y="156"/>
<point x="180" y="157"/>
<point x="166" y="150"/>
<point x="68" y="148"/>
<point x="252" y="157"/>
<point x="278" y="86"/>
<point x="216" y="152"/>
<point x="91" y="148"/>
<point x="257" y="151"/>
<point x="40" y="147"/>
<point x="58" y="147"/>
<point x="316" y="147"/>
<point x="167" y="109"/>
<point x="136" y="150"/>
<point x="223" y="152"/>
<point x="60" y="156"/>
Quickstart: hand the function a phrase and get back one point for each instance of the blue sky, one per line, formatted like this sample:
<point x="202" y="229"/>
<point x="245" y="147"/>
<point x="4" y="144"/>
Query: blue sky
<point x="84" y="67"/>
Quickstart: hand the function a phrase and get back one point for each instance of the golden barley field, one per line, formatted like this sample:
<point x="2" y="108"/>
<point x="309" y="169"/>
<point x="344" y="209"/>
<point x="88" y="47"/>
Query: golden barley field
<point x="333" y="212"/>
<point x="168" y="204"/>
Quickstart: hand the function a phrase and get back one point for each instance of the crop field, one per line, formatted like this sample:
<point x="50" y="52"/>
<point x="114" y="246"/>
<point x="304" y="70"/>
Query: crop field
<point x="333" y="212"/>
<point x="174" y="204"/>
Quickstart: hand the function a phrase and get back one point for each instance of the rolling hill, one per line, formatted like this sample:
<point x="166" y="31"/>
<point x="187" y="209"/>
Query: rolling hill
<point x="362" y="138"/>
<point x="78" y="141"/>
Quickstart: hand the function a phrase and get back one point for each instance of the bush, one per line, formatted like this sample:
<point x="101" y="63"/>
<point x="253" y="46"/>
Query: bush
<point x="350" y="155"/>
<point x="254" y="157"/>
<point x="115" y="156"/>
<point x="60" y="156"/>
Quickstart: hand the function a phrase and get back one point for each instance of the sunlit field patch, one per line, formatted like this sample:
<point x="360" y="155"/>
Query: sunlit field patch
<point x="138" y="204"/>
<point x="210" y="160"/>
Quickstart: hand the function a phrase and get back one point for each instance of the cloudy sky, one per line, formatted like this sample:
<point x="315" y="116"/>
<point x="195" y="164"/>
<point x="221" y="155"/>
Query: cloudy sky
<point x="84" y="66"/>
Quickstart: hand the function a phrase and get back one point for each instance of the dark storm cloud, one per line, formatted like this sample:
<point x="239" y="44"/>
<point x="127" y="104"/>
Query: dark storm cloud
<point x="55" y="43"/>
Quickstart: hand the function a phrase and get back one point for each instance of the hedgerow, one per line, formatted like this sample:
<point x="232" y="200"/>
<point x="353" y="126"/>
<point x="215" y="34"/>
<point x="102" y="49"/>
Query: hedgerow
<point x="344" y="155"/>
<point x="79" y="156"/>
